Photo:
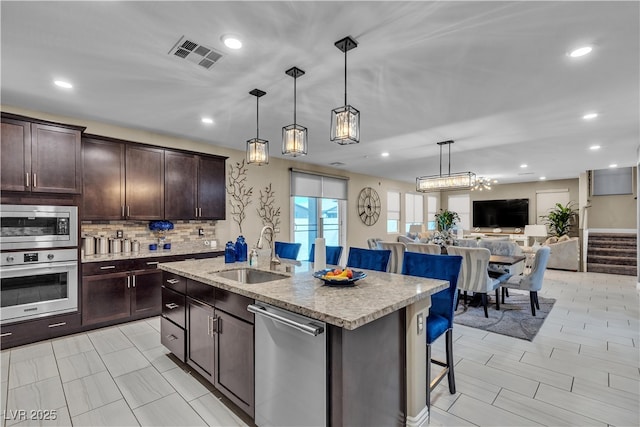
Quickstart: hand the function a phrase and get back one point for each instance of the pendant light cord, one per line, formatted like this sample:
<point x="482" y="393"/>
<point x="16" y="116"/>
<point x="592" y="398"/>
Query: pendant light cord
<point x="295" y="79"/>
<point x="345" y="77"/>
<point x="257" y="118"/>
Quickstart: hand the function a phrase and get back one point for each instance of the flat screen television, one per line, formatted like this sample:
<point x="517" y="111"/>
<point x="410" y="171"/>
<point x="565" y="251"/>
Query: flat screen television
<point x="501" y="213"/>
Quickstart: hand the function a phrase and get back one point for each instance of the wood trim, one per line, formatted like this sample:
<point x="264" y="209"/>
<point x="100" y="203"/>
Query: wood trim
<point x="42" y="122"/>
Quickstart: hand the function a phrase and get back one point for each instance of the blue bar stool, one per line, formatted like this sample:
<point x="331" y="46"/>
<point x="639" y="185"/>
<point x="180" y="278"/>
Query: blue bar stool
<point x="287" y="250"/>
<point x="368" y="259"/>
<point x="333" y="254"/>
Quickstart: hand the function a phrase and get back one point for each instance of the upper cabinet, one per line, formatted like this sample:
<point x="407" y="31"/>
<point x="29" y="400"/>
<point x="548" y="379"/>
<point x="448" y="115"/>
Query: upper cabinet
<point x="40" y="157"/>
<point x="125" y="180"/>
<point x="122" y="181"/>
<point x="194" y="186"/>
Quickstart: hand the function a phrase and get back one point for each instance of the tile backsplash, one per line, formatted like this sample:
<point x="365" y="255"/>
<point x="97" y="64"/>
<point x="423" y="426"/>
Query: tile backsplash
<point x="183" y="231"/>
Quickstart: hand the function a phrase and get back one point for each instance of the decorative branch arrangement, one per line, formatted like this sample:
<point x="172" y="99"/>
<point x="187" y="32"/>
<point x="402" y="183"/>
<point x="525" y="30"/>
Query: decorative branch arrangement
<point x="269" y="214"/>
<point x="239" y="192"/>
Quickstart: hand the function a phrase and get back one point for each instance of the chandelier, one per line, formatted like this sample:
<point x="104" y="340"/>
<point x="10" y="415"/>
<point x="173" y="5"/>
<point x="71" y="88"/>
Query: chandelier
<point x="294" y="136"/>
<point x="450" y="181"/>
<point x="482" y="183"/>
<point x="257" y="149"/>
<point x="345" y="120"/>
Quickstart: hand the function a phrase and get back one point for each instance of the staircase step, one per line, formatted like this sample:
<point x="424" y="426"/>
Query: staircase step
<point x="613" y="243"/>
<point x="614" y="235"/>
<point x="595" y="250"/>
<point x="611" y="260"/>
<point x="624" y="270"/>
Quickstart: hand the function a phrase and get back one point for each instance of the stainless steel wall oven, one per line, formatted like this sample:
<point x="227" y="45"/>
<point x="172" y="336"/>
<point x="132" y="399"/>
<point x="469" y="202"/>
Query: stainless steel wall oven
<point x="33" y="227"/>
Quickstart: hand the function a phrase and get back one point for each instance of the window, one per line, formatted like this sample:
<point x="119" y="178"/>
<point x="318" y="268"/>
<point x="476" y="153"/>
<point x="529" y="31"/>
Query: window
<point x="432" y="205"/>
<point x="462" y="205"/>
<point x="393" y="212"/>
<point x="414" y="210"/>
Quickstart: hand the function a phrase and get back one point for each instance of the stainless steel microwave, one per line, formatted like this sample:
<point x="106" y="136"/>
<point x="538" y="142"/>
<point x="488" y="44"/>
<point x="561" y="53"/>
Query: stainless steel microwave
<point x="33" y="227"/>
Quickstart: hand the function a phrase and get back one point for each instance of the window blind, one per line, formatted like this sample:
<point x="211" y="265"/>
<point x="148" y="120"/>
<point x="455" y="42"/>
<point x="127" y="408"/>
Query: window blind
<point x="317" y="185"/>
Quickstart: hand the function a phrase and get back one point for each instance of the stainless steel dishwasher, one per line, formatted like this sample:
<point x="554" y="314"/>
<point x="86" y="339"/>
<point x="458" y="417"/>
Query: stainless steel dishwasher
<point x="290" y="368"/>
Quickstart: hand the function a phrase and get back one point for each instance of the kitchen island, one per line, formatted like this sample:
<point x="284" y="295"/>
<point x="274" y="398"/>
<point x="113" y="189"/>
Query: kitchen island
<point x="375" y="334"/>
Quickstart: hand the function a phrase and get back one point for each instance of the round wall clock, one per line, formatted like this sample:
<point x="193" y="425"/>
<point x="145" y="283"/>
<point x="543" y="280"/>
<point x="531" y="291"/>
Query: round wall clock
<point x="369" y="206"/>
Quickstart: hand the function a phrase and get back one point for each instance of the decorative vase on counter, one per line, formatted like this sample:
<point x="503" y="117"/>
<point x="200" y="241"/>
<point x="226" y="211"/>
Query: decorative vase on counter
<point x="241" y="249"/>
<point x="230" y="252"/>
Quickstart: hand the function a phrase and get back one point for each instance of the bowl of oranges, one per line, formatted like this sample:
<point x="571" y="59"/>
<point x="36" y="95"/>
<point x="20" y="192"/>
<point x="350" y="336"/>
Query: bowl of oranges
<point x="339" y="276"/>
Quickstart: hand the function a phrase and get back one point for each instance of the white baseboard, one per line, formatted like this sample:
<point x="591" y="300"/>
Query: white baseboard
<point x="420" y="420"/>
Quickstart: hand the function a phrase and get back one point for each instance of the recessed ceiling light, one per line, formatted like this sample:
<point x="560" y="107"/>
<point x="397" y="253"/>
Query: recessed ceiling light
<point x="63" y="84"/>
<point x="590" y="116"/>
<point x="581" y="51"/>
<point x="542" y="178"/>
<point x="594" y="147"/>
<point x="231" y="41"/>
<point x="385" y="154"/>
<point x="613" y="165"/>
<point x="207" y="120"/>
<point x="524" y="165"/>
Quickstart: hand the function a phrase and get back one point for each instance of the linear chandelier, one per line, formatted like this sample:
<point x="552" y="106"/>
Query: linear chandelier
<point x="451" y="181"/>
<point x="345" y="120"/>
<point x="294" y="136"/>
<point x="257" y="149"/>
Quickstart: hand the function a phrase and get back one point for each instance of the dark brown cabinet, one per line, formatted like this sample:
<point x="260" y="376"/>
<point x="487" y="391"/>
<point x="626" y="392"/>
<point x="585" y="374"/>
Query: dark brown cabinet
<point x="40" y="157"/>
<point x="194" y="186"/>
<point x="119" y="291"/>
<point x="219" y="335"/>
<point x="122" y="180"/>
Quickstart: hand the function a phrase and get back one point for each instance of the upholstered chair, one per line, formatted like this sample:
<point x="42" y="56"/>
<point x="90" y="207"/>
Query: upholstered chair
<point x="287" y="250"/>
<point x="424" y="248"/>
<point x="475" y="274"/>
<point x="440" y="318"/>
<point x="397" y="255"/>
<point x="373" y="242"/>
<point x="531" y="282"/>
<point x="368" y="259"/>
<point x="333" y="254"/>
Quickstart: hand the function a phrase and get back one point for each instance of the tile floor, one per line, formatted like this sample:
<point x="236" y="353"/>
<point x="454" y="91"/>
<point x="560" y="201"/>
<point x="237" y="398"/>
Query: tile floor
<point x="583" y="368"/>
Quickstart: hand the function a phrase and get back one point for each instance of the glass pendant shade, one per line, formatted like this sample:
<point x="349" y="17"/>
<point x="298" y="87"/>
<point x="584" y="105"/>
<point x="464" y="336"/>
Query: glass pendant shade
<point x="294" y="140"/>
<point x="257" y="149"/>
<point x="345" y="121"/>
<point x="257" y="152"/>
<point x="345" y="125"/>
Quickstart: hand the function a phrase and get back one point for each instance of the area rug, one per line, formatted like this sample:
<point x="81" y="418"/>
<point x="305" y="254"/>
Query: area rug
<point x="513" y="319"/>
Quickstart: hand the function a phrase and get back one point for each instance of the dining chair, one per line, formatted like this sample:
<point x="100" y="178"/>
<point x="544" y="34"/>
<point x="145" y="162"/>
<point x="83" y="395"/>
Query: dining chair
<point x="531" y="282"/>
<point x="475" y="274"/>
<point x="287" y="250"/>
<point x="373" y="242"/>
<point x="440" y="318"/>
<point x="424" y="248"/>
<point x="369" y="259"/>
<point x="333" y="254"/>
<point x="397" y="255"/>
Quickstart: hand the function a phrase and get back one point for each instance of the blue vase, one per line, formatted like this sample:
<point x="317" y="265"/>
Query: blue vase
<point x="241" y="249"/>
<point x="230" y="253"/>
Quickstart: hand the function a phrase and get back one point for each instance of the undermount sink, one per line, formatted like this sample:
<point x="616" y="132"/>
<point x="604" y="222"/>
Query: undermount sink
<point x="249" y="275"/>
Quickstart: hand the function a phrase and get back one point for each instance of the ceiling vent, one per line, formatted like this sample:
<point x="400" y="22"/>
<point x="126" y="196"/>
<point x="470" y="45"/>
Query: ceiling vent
<point x="194" y="52"/>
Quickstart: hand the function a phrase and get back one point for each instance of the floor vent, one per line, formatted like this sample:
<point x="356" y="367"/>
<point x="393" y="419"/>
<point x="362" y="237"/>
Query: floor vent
<point x="197" y="53"/>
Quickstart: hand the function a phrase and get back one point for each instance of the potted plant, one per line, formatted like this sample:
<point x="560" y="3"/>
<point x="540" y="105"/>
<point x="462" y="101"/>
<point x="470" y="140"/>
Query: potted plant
<point x="560" y="218"/>
<point x="446" y="219"/>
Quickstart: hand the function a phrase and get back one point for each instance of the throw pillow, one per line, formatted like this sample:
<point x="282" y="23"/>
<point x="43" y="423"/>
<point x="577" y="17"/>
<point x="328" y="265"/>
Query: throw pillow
<point x="563" y="238"/>
<point x="551" y="240"/>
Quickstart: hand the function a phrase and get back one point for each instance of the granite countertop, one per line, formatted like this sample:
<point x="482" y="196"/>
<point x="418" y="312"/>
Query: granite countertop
<point x="373" y="297"/>
<point x="176" y="249"/>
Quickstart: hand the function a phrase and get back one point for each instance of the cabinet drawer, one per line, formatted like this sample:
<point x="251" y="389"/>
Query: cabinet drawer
<point x="173" y="306"/>
<point x="234" y="304"/>
<point x="173" y="338"/>
<point x="145" y="263"/>
<point x="104" y="267"/>
<point x="35" y="330"/>
<point x="201" y="291"/>
<point x="175" y="282"/>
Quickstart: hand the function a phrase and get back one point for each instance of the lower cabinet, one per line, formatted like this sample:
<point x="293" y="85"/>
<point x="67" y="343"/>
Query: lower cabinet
<point x="38" y="329"/>
<point x="219" y="343"/>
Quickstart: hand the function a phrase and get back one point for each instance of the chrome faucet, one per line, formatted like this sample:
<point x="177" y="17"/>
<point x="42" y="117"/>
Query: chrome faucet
<point x="274" y="258"/>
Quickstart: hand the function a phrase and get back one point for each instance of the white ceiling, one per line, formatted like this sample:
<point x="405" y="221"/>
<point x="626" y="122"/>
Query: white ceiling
<point x="493" y="76"/>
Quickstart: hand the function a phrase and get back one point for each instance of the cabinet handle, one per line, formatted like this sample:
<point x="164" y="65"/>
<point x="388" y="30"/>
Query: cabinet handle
<point x="6" y="334"/>
<point x="27" y="174"/>
<point x="172" y="306"/>
<point x="34" y="181"/>
<point x="172" y="281"/>
<point x="123" y="211"/>
<point x="209" y="325"/>
<point x="172" y="337"/>
<point x="128" y="211"/>
<point x="153" y="262"/>
<point x="55" y="325"/>
<point x="134" y="281"/>
<point x="196" y="212"/>
<point x="107" y="267"/>
<point x="215" y="325"/>
<point x="128" y="281"/>
<point x="199" y="212"/>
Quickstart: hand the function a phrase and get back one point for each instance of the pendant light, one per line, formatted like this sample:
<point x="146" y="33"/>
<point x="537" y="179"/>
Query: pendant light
<point x="451" y="181"/>
<point x="294" y="137"/>
<point x="257" y="149"/>
<point x="345" y="120"/>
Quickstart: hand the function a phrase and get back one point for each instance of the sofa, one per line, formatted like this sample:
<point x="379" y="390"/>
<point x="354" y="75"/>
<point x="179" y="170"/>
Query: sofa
<point x="565" y="253"/>
<point x="496" y="247"/>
